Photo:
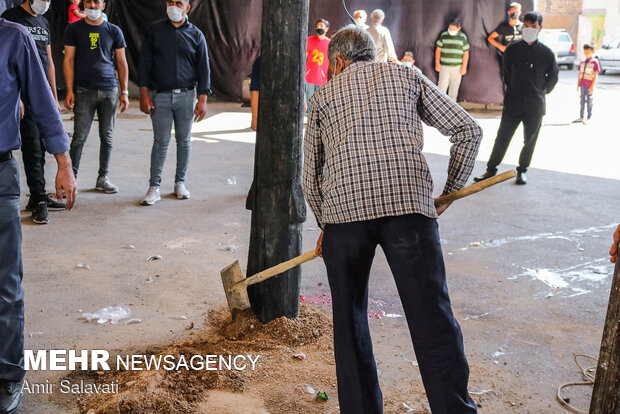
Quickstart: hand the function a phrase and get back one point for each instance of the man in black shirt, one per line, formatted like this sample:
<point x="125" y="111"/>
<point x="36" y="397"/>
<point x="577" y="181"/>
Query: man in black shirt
<point x="507" y="32"/>
<point x="30" y="15"/>
<point x="530" y="72"/>
<point x="174" y="66"/>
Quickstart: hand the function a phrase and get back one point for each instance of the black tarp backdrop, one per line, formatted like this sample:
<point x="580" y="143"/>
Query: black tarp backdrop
<point x="232" y="29"/>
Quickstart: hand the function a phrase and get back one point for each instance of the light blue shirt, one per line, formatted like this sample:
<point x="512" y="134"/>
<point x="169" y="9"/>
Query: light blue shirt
<point x="21" y="74"/>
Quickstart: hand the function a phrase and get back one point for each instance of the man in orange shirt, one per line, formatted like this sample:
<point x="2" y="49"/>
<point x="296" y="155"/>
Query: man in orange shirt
<point x="316" y="59"/>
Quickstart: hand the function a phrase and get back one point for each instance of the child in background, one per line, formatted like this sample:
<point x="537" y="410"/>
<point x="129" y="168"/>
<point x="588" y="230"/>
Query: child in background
<point x="451" y="58"/>
<point x="588" y="72"/>
<point x="75" y="13"/>
<point x="408" y="60"/>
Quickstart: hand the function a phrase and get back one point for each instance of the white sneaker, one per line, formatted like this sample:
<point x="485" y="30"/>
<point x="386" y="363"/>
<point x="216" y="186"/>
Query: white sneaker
<point x="104" y="184"/>
<point x="180" y="191"/>
<point x="152" y="196"/>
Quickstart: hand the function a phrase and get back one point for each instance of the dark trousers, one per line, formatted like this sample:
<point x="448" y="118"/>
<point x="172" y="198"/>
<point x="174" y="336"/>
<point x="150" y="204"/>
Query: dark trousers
<point x="586" y="99"/>
<point x="87" y="102"/>
<point x="412" y="247"/>
<point x="33" y="154"/>
<point x="11" y="271"/>
<point x="507" y="128"/>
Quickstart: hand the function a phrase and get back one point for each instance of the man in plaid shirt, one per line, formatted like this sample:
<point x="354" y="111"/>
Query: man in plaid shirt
<point x="368" y="184"/>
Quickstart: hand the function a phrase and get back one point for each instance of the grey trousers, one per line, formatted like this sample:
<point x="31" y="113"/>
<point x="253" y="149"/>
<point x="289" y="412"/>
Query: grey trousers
<point x="11" y="272"/>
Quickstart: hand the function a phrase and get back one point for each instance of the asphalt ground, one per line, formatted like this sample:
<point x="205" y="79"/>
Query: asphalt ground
<point x="528" y="271"/>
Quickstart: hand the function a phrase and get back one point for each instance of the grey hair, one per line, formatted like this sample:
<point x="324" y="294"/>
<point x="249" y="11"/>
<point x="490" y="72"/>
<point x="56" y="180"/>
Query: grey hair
<point x="362" y="12"/>
<point x="377" y="15"/>
<point x="352" y="44"/>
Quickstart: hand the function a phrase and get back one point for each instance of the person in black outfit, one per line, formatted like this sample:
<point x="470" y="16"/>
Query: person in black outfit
<point x="30" y="15"/>
<point x="530" y="72"/>
<point x="507" y="32"/>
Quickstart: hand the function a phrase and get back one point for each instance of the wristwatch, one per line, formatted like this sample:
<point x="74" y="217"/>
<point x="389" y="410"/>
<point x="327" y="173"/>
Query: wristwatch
<point x="125" y="92"/>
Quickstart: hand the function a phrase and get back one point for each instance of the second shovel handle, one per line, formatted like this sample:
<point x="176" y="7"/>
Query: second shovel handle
<point x="275" y="270"/>
<point x="474" y="188"/>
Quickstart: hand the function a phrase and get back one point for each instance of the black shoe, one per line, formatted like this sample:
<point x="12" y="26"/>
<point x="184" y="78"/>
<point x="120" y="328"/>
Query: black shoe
<point x="52" y="204"/>
<point x="484" y="176"/>
<point x="31" y="203"/>
<point x="39" y="213"/>
<point x="521" y="178"/>
<point x="10" y="396"/>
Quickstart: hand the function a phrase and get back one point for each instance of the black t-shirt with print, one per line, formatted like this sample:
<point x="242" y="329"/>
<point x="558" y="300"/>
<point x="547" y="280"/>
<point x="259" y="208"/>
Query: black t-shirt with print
<point x="38" y="26"/>
<point x="509" y="34"/>
<point x="94" y="53"/>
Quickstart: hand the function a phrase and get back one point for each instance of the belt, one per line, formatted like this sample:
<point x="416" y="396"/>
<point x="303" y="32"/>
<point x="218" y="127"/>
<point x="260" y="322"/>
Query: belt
<point x="180" y="90"/>
<point x="5" y="156"/>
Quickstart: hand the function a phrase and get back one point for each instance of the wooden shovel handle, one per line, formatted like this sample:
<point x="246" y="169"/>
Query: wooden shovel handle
<point x="275" y="270"/>
<point x="474" y="188"/>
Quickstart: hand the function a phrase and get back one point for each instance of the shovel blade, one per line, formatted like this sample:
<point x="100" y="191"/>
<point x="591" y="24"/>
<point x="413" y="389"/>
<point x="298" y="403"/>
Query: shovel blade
<point x="238" y="299"/>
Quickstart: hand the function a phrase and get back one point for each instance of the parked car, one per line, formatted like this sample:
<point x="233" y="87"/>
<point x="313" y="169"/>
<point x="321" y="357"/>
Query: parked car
<point x="609" y="56"/>
<point x="560" y="42"/>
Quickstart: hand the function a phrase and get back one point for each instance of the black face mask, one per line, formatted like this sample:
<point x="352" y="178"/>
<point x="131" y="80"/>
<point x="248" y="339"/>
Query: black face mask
<point x="321" y="32"/>
<point x="514" y="16"/>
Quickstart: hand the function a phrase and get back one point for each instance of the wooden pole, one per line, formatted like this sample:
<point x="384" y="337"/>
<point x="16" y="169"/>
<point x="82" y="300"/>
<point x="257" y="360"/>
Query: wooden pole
<point x="606" y="392"/>
<point x="278" y="206"/>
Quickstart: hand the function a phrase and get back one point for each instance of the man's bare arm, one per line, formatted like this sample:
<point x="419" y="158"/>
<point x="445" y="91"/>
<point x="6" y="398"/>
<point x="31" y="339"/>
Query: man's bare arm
<point x="498" y="45"/>
<point x="51" y="74"/>
<point x="68" y="70"/>
<point x="123" y="77"/>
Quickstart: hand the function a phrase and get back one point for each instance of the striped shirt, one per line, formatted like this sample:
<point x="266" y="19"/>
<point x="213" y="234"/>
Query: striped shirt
<point x="452" y="48"/>
<point x="363" y="144"/>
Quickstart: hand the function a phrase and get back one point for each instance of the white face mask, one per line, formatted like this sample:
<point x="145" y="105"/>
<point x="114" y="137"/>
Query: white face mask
<point x="40" y="6"/>
<point x="360" y="21"/>
<point x="530" y="34"/>
<point x="453" y="32"/>
<point x="175" y="14"/>
<point x="92" y="14"/>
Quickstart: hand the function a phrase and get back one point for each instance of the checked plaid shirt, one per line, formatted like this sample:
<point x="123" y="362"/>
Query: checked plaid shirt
<point x="363" y="144"/>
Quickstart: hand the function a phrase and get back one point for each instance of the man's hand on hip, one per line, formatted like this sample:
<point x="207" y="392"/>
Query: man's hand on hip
<point x="65" y="181"/>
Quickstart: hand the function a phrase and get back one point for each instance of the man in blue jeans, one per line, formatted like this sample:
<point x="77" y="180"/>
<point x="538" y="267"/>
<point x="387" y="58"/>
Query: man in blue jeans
<point x="21" y="76"/>
<point x="91" y="47"/>
<point x="174" y="69"/>
<point x="368" y="184"/>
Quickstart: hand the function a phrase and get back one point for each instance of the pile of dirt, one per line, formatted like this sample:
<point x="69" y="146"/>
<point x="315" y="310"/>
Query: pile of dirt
<point x="279" y="384"/>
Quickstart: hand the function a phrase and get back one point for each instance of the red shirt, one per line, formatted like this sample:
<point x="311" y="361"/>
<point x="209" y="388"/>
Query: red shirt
<point x="72" y="16"/>
<point x="587" y="70"/>
<point x="316" y="60"/>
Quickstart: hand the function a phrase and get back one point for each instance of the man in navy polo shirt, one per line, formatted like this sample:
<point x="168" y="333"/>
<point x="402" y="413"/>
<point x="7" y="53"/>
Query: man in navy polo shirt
<point x="30" y="15"/>
<point x="174" y="69"/>
<point x="91" y="47"/>
<point x="22" y="77"/>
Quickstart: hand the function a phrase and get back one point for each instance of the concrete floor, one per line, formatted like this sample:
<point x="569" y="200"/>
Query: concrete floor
<point x="531" y="291"/>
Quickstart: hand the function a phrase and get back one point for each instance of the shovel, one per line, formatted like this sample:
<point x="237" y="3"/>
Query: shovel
<point x="236" y="286"/>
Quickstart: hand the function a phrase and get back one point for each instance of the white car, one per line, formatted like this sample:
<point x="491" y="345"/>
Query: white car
<point x="609" y="56"/>
<point x="560" y="42"/>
